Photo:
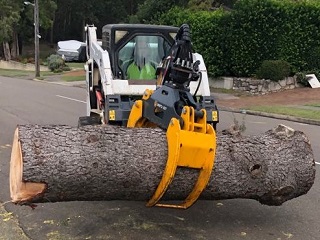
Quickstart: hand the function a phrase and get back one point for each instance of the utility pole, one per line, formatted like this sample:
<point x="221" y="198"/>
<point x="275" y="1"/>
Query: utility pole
<point x="35" y="6"/>
<point x="36" y="38"/>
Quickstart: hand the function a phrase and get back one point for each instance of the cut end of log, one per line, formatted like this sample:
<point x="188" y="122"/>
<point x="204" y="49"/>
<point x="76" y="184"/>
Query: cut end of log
<point x="21" y="191"/>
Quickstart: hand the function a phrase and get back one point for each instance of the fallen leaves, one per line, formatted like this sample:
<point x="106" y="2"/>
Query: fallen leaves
<point x="6" y="216"/>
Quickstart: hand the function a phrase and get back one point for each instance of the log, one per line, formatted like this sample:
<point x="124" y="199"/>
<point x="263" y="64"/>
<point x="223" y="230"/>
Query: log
<point x="63" y="163"/>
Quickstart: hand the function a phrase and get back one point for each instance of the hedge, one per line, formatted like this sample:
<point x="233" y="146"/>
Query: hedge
<point x="236" y="43"/>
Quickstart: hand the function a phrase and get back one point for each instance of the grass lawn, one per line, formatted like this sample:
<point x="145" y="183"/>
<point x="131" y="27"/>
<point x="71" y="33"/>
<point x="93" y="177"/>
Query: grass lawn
<point x="30" y="74"/>
<point x="290" y="111"/>
<point x="22" y="73"/>
<point x="75" y="65"/>
<point x="14" y="73"/>
<point x="313" y="105"/>
<point x="46" y="50"/>
<point x="72" y="78"/>
<point x="228" y="91"/>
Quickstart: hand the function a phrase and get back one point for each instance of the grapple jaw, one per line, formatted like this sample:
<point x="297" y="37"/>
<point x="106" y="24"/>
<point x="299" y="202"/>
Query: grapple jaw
<point x="191" y="146"/>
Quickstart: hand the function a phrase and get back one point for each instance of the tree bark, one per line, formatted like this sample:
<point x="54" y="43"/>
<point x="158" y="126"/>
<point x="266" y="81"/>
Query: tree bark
<point x="6" y="51"/>
<point x="15" y="46"/>
<point x="61" y="163"/>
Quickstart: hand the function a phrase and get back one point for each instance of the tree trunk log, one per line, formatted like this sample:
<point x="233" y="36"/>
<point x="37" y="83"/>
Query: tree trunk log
<point x="61" y="163"/>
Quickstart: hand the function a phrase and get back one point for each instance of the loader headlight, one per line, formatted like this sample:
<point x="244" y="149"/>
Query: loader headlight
<point x="215" y="116"/>
<point x="112" y="115"/>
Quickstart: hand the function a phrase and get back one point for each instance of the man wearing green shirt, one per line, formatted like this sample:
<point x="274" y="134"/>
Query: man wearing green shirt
<point x="141" y="67"/>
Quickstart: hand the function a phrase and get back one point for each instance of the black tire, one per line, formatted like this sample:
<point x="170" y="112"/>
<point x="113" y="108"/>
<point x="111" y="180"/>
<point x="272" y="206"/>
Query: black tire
<point x="89" y="120"/>
<point x="93" y="99"/>
<point x="214" y="125"/>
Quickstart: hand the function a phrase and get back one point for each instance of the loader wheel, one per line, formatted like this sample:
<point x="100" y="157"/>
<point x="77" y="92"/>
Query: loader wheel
<point x="89" y="120"/>
<point x="214" y="125"/>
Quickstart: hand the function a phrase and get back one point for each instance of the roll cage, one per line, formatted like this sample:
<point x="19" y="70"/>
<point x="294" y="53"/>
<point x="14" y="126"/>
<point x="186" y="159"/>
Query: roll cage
<point x="120" y="39"/>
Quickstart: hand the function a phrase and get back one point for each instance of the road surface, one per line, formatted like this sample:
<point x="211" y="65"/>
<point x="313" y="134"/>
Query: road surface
<point x="26" y="101"/>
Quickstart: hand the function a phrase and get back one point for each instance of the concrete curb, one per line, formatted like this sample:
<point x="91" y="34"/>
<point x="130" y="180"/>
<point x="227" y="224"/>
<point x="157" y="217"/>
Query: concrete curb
<point x="271" y="115"/>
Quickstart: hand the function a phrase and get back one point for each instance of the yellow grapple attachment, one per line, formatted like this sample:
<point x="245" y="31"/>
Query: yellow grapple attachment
<point x="136" y="118"/>
<point x="192" y="146"/>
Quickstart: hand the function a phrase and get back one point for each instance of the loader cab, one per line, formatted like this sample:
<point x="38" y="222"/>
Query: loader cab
<point x="129" y="44"/>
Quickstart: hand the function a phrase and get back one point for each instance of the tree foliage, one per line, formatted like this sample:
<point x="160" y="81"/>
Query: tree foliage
<point x="73" y="15"/>
<point x="61" y="20"/>
<point x="237" y="42"/>
<point x="210" y="4"/>
<point x="234" y="36"/>
<point x="150" y="10"/>
<point x="9" y="17"/>
<point x="273" y="29"/>
<point x="25" y="26"/>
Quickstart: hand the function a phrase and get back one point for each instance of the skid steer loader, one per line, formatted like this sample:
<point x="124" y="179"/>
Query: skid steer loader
<point x="148" y="76"/>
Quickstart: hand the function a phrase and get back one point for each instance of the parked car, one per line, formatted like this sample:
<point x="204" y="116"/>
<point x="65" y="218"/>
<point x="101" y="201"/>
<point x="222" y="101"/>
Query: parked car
<point x="72" y="50"/>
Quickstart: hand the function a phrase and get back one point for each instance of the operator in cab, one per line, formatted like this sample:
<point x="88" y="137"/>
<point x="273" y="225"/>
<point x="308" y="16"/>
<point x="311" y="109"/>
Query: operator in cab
<point x="141" y="67"/>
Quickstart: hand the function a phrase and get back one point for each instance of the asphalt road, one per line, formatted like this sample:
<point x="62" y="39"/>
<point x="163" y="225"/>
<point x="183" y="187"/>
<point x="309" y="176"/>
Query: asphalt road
<point x="26" y="101"/>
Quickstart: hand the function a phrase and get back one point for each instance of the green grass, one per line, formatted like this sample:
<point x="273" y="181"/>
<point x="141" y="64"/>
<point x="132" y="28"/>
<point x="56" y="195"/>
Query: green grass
<point x="228" y="91"/>
<point x="290" y="111"/>
<point x="24" y="73"/>
<point x="48" y="73"/>
<point x="43" y="74"/>
<point x="73" y="78"/>
<point x="313" y="105"/>
<point x="76" y="65"/>
<point x="21" y="73"/>
<point x="14" y="73"/>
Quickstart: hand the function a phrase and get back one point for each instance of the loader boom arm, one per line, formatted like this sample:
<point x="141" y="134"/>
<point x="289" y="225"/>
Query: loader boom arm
<point x="98" y="61"/>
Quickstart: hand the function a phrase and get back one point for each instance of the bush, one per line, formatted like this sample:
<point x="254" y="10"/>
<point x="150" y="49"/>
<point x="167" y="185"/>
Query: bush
<point x="56" y="63"/>
<point x="66" y="68"/>
<point x="235" y="43"/>
<point x="274" y="70"/>
<point x="313" y="58"/>
<point x="207" y="32"/>
<point x="303" y="80"/>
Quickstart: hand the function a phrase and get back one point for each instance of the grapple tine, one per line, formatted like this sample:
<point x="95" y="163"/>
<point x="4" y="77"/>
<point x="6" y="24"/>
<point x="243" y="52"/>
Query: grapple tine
<point x="190" y="149"/>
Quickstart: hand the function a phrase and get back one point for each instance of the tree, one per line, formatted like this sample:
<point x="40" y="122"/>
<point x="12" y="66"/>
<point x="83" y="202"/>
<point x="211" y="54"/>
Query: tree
<point x="73" y="15"/>
<point x="151" y="9"/>
<point x="131" y="6"/>
<point x="47" y="10"/>
<point x="9" y="17"/>
<point x="17" y="24"/>
<point x="47" y="17"/>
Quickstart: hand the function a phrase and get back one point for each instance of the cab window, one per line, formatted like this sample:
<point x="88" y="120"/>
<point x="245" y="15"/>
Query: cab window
<point x="139" y="57"/>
